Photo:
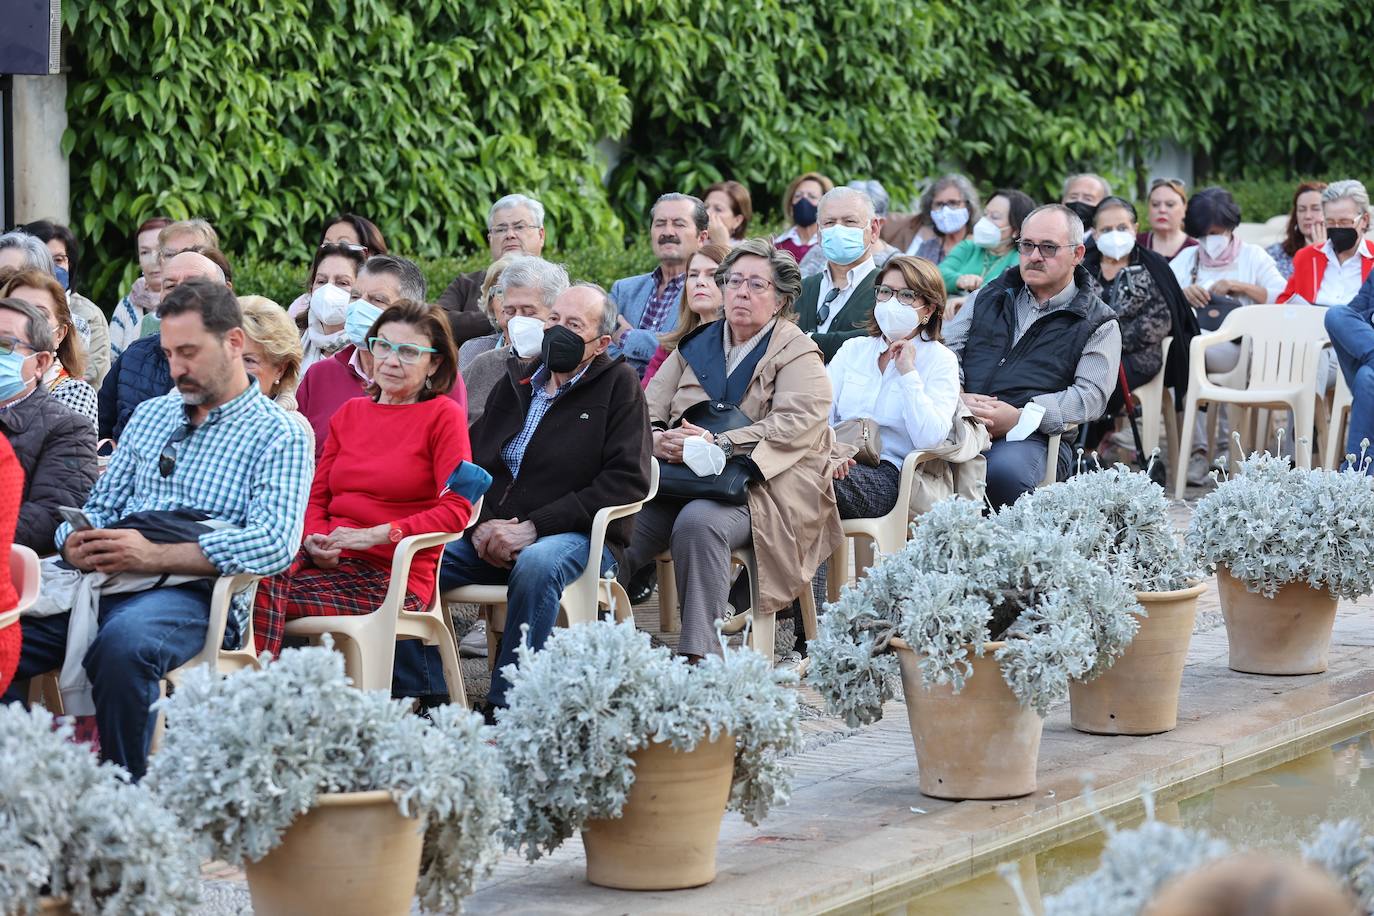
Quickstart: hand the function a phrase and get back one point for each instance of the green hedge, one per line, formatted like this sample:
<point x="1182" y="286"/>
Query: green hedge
<point x="418" y="113"/>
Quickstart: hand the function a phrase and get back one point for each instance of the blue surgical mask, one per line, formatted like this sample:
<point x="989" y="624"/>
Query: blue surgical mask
<point x="358" y="320"/>
<point x="63" y="277"/>
<point x="842" y="244"/>
<point x="12" y="374"/>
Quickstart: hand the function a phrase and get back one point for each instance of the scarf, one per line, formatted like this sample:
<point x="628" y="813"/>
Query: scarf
<point x="142" y="298"/>
<point x="318" y="344"/>
<point x="1228" y="254"/>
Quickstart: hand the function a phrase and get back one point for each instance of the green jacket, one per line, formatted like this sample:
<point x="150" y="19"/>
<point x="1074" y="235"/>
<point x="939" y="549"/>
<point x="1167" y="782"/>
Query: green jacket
<point x="848" y="322"/>
<point x="968" y="258"/>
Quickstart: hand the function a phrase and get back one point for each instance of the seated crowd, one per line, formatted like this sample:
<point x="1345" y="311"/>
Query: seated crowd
<point x="780" y="384"/>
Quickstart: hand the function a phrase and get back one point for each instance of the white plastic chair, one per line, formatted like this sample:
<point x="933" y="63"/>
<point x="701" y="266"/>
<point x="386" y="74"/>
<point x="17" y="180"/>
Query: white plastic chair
<point x="1333" y="452"/>
<point x="882" y="535"/>
<point x="26" y="576"/>
<point x="1051" y="462"/>
<point x="1285" y="355"/>
<point x="1155" y="408"/>
<point x="583" y="598"/>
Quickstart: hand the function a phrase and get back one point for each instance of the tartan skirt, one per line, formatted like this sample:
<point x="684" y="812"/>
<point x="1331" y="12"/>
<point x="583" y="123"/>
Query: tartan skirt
<point x="351" y="589"/>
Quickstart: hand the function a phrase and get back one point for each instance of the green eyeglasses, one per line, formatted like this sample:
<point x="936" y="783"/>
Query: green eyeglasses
<point x="409" y="354"/>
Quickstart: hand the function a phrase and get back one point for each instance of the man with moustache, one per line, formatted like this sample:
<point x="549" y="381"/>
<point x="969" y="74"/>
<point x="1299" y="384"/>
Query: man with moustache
<point x="648" y="302"/>
<point x="1036" y="335"/>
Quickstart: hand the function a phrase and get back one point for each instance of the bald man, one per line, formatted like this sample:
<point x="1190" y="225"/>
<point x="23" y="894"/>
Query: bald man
<point x="141" y="372"/>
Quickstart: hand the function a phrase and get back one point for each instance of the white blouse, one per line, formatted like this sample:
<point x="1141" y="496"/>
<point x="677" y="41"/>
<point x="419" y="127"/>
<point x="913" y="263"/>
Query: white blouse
<point x="913" y="411"/>
<point x="1252" y="265"/>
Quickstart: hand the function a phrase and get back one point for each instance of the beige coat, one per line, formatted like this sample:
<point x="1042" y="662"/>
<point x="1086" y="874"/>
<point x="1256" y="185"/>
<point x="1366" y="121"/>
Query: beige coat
<point x="792" y="512"/>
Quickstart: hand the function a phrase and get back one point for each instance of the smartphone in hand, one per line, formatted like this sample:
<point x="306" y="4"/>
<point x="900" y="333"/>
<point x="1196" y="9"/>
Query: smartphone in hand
<point x="75" y="517"/>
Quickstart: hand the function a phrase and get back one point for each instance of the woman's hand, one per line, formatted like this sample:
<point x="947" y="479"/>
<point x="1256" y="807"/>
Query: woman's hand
<point x="323" y="556"/>
<point x="1197" y="296"/>
<point x="668" y="442"/>
<point x="342" y="538"/>
<point x="716" y="231"/>
<point x="903" y="353"/>
<point x="952" y="306"/>
<point x="969" y="282"/>
<point x="842" y="469"/>
<point x="1223" y="288"/>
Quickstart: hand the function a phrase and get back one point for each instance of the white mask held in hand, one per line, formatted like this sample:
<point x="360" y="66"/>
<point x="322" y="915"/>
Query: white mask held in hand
<point x="1214" y="245"/>
<point x="895" y="320"/>
<point x="949" y="219"/>
<point x="329" y="305"/>
<point x="526" y="335"/>
<point x="1115" y="244"/>
<point x="704" y="458"/>
<point x="986" y="233"/>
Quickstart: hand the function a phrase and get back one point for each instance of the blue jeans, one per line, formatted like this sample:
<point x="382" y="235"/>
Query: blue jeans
<point x="1352" y="339"/>
<point x="533" y="587"/>
<point x="142" y="636"/>
<point x="1016" y="468"/>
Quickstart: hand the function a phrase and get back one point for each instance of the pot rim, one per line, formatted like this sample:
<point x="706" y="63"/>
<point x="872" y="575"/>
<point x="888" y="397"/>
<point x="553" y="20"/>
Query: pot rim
<point x="1197" y="588"/>
<point x="352" y="799"/>
<point x="1325" y="589"/>
<point x="989" y="646"/>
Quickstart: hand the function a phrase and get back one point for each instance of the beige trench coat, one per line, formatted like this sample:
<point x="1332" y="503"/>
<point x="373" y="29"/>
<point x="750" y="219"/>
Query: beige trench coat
<point x="792" y="511"/>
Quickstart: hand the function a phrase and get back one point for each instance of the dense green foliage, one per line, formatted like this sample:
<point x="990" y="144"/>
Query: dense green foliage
<point x="266" y="117"/>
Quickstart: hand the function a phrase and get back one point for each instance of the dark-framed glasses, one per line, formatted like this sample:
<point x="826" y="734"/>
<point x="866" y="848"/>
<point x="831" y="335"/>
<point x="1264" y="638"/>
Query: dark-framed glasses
<point x="407" y="353"/>
<point x="755" y="284"/>
<point x="9" y="344"/>
<point x="907" y="297"/>
<point x="1047" y="249"/>
<point x="167" y="461"/>
<point x="346" y="246"/>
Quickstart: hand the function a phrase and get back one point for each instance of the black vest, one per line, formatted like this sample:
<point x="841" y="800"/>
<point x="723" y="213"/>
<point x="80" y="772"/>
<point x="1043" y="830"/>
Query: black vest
<point x="1045" y="359"/>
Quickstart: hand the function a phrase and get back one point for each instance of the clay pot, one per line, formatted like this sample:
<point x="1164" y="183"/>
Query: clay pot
<point x="353" y="854"/>
<point x="1138" y="694"/>
<point x="1287" y="634"/>
<point x="666" y="835"/>
<point x="54" y="906"/>
<point x="978" y="743"/>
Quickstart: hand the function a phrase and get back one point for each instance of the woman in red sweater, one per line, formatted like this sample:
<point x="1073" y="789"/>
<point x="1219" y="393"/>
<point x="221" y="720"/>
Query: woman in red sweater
<point x="381" y="478"/>
<point x="11" y="488"/>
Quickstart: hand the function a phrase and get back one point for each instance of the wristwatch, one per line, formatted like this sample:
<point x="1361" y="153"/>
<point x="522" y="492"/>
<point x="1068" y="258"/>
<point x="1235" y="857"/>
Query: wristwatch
<point x="726" y="446"/>
<point x="396" y="533"/>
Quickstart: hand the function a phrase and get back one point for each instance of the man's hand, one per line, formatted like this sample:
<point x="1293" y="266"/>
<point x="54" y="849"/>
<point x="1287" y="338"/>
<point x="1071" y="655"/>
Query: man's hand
<point x="952" y="306"/>
<point x="499" y="541"/>
<point x="111" y="550"/>
<point x="968" y="282"/>
<point x="998" y="416"/>
<point x="320" y="553"/>
<point x="1197" y="296"/>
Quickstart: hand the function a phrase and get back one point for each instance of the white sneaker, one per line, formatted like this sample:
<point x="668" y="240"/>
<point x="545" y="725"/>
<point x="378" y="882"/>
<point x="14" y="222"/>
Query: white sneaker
<point x="1199" y="471"/>
<point x="474" y="642"/>
<point x="792" y="661"/>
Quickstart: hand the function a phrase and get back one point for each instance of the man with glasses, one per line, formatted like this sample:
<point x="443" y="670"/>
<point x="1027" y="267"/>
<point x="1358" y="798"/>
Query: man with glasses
<point x="836" y="303"/>
<point x="648" y="303"/>
<point x="1036" y="338"/>
<point x="515" y="226"/>
<point x="564" y="436"/>
<point x="215" y="451"/>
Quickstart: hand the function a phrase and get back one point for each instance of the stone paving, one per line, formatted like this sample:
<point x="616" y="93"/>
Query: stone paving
<point x="859" y="837"/>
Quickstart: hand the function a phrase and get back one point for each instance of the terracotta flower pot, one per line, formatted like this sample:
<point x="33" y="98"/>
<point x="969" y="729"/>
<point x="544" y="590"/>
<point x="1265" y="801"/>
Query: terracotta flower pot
<point x="978" y="743"/>
<point x="1287" y="634"/>
<point x="666" y="835"/>
<point x="353" y="854"/>
<point x="1138" y="694"/>
<point x="54" y="906"/>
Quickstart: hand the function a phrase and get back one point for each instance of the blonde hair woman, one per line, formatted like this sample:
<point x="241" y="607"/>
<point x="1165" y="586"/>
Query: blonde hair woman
<point x="272" y="353"/>
<point x="491" y="304"/>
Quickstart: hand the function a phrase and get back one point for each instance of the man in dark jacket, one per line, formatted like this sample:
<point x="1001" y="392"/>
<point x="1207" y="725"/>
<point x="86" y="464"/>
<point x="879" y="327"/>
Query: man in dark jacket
<point x="564" y="436"/>
<point x="837" y="303"/>
<point x="1036" y="339"/>
<point x="55" y="445"/>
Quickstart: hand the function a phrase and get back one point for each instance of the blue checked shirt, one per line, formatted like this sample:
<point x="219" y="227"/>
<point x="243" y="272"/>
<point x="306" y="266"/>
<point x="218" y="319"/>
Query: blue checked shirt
<point x="248" y="464"/>
<point x="540" y="401"/>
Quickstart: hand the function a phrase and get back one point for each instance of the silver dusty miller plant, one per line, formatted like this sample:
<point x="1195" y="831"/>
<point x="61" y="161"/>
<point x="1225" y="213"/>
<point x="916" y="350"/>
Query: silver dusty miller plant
<point x="595" y="694"/>
<point x="963" y="580"/>
<point x="1347" y="852"/>
<point x="1119" y="518"/>
<point x="73" y="827"/>
<point x="246" y="754"/>
<point x="1270" y="525"/>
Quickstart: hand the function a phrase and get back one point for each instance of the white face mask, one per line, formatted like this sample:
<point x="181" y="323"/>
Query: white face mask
<point x="949" y="219"/>
<point x="329" y="305"/>
<point x="1116" y="244"/>
<point x="896" y="320"/>
<point x="986" y="233"/>
<point x="526" y="335"/>
<point x="704" y="458"/>
<point x="1214" y="245"/>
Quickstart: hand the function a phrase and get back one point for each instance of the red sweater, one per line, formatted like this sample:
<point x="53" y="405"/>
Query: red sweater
<point x="1309" y="269"/>
<point x="11" y="490"/>
<point x="386" y="463"/>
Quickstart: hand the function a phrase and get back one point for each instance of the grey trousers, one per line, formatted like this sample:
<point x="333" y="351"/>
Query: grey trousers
<point x="700" y="536"/>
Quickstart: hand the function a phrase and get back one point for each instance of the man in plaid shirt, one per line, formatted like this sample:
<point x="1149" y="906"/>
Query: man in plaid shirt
<point x="217" y="446"/>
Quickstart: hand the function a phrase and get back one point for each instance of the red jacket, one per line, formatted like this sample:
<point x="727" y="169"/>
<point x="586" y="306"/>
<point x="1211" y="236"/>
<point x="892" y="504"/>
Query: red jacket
<point x="1309" y="268"/>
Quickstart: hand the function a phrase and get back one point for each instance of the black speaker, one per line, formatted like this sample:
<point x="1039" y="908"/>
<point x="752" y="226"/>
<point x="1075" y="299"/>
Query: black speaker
<point x="31" y="40"/>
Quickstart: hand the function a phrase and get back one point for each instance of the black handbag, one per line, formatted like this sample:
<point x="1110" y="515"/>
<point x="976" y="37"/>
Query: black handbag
<point x="730" y="486"/>
<point x="1211" y="315"/>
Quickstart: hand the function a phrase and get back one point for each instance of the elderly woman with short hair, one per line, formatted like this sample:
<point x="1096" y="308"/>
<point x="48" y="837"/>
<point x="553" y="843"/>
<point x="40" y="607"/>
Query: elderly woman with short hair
<point x="66" y="379"/>
<point x="1331" y="273"/>
<point x="272" y="354"/>
<point x="948" y="209"/>
<point x="490" y="297"/>
<point x="759" y="360"/>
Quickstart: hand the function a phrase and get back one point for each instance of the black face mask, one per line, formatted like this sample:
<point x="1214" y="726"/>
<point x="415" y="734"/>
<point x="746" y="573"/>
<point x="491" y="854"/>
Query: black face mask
<point x="804" y="213"/>
<point x="1084" y="210"/>
<point x="562" y="349"/>
<point x="1343" y="239"/>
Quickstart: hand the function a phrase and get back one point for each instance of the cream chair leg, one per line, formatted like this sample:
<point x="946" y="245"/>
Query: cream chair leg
<point x="1185" y="447"/>
<point x="668" y="619"/>
<point x="354" y="663"/>
<point x="763" y="634"/>
<point x="621" y="609"/>
<point x="808" y="607"/>
<point x="1302" y="433"/>
<point x="160" y="723"/>
<point x="493" y="637"/>
<point x="863" y="556"/>
<point x="1213" y="416"/>
<point x="453" y="672"/>
<point x="837" y="575"/>
<point x="43" y="691"/>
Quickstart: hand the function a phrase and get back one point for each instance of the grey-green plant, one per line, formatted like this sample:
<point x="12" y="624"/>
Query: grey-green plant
<point x="963" y="580"/>
<point x="72" y="827"/>
<point x="1120" y="519"/>
<point x="1271" y="524"/>
<point x="593" y="695"/>
<point x="1347" y="852"/>
<point x="247" y="754"/>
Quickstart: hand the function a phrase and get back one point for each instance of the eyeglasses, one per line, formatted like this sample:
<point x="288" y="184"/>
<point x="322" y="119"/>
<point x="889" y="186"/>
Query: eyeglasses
<point x="1047" y="249"/>
<point x="756" y="284"/>
<point x="167" y="461"/>
<point x="906" y="297"/>
<point x="346" y="246"/>
<point x="502" y="228"/>
<point x="1342" y="223"/>
<point x="409" y="354"/>
<point x="8" y="345"/>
